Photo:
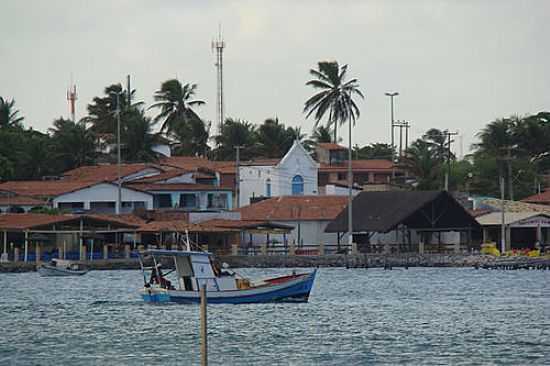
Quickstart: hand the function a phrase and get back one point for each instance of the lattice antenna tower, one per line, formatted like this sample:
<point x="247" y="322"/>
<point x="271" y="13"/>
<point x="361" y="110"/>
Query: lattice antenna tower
<point x="218" y="45"/>
<point x="71" y="99"/>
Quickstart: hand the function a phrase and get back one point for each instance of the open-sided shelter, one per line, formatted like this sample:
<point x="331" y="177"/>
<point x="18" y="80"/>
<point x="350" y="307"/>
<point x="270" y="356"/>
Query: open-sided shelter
<point x="405" y="219"/>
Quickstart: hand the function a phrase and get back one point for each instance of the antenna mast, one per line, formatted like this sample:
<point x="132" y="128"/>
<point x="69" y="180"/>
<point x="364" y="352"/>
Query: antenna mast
<point x="219" y="45"/>
<point x="71" y="99"/>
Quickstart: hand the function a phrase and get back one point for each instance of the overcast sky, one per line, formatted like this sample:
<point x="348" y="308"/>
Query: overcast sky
<point x="456" y="64"/>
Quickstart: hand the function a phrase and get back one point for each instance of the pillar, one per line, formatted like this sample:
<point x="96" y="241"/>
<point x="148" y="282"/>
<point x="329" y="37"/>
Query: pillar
<point x="127" y="251"/>
<point x="26" y="246"/>
<point x="354" y="249"/>
<point x="61" y="250"/>
<point x="421" y="245"/>
<point x="83" y="252"/>
<point x="16" y="254"/>
<point x="263" y="249"/>
<point x="485" y="235"/>
<point x="292" y="249"/>
<point x="4" y="257"/>
<point x="508" y="238"/>
<point x="105" y="251"/>
<point x="235" y="249"/>
<point x="321" y="248"/>
<point x="141" y="248"/>
<point x="38" y="252"/>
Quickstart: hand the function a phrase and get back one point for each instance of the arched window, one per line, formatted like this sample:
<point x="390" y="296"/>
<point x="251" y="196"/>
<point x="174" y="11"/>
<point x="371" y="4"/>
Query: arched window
<point x="297" y="185"/>
<point x="268" y="187"/>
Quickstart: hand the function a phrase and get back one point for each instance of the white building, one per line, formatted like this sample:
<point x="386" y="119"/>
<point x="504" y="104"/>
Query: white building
<point x="295" y="174"/>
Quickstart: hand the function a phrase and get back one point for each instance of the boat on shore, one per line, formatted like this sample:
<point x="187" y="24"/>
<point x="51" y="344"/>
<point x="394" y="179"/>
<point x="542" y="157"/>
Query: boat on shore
<point x="194" y="269"/>
<point x="60" y="268"/>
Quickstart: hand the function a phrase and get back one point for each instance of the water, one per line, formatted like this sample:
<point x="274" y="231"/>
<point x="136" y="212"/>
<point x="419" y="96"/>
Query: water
<point x="354" y="317"/>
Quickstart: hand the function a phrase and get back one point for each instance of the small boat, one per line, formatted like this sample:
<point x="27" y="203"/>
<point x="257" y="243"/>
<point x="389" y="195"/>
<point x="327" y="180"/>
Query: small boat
<point x="194" y="269"/>
<point x="60" y="267"/>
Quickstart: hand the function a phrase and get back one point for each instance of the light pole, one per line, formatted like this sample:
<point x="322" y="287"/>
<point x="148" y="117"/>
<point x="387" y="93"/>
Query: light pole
<point x="119" y="183"/>
<point x="350" y="189"/>
<point x="391" y="95"/>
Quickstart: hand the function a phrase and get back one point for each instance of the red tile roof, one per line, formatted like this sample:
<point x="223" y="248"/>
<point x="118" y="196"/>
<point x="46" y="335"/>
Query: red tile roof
<point x="194" y="163"/>
<point x="21" y="201"/>
<point x="107" y="172"/>
<point x="330" y="146"/>
<point x="181" y="227"/>
<point x="292" y="208"/>
<point x="175" y="187"/>
<point x="171" y="173"/>
<point x="46" y="188"/>
<point x="28" y="221"/>
<point x="541" y="198"/>
<point x="359" y="165"/>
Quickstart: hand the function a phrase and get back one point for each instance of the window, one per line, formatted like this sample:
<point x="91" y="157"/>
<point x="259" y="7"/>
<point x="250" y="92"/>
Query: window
<point x="162" y="200"/>
<point x="342" y="176"/>
<point x="297" y="185"/>
<point x="104" y="207"/>
<point x="188" y="200"/>
<point x="268" y="187"/>
<point x="217" y="200"/>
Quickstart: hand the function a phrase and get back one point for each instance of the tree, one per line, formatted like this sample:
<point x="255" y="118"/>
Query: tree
<point x="73" y="145"/>
<point x="496" y="135"/>
<point x="274" y="139"/>
<point x="102" y="110"/>
<point x="137" y="138"/>
<point x="8" y="116"/>
<point x="235" y="132"/>
<point x="191" y="137"/>
<point x="335" y="96"/>
<point x="374" y="151"/>
<point x="321" y="134"/>
<point x="422" y="161"/>
<point x="176" y="103"/>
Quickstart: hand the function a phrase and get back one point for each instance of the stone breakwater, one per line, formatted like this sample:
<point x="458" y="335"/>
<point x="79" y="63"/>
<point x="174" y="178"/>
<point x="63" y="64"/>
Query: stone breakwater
<point x="283" y="261"/>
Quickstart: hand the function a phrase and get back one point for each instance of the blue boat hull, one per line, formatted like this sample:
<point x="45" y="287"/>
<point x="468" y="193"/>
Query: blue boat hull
<point x="294" y="291"/>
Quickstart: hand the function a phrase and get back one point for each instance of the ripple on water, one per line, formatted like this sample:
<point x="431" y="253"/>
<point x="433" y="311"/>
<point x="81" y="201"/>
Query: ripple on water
<point x="354" y="317"/>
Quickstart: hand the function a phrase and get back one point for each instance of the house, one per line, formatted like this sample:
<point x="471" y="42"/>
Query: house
<point x="333" y="159"/>
<point x="308" y="215"/>
<point x="11" y="202"/>
<point x="295" y="174"/>
<point x="542" y="198"/>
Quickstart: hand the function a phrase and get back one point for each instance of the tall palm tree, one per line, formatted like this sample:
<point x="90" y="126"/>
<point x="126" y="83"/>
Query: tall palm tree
<point x="321" y="134"/>
<point x="72" y="144"/>
<point x="422" y="161"/>
<point x="176" y="103"/>
<point x="335" y="96"/>
<point x="8" y="116"/>
<point x="236" y="132"/>
<point x="138" y="139"/>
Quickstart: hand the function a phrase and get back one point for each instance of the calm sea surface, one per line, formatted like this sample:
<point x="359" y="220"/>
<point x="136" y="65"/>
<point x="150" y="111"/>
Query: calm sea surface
<point x="354" y="317"/>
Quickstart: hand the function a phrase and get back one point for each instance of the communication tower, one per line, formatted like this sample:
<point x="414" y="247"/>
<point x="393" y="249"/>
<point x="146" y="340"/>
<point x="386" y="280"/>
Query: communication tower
<point x="218" y="45"/>
<point x="71" y="99"/>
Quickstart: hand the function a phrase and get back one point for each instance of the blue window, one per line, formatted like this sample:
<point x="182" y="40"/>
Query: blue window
<point x="297" y="185"/>
<point x="268" y="187"/>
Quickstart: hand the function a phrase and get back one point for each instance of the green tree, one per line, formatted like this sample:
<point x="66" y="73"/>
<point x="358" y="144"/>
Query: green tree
<point x="321" y="134"/>
<point x="235" y="132"/>
<point x="374" y="151"/>
<point x="335" y="97"/>
<point x="102" y="110"/>
<point x="274" y="139"/>
<point x="191" y="138"/>
<point x="176" y="104"/>
<point x="9" y="115"/>
<point x="73" y="145"/>
<point x="421" y="160"/>
<point x="137" y="138"/>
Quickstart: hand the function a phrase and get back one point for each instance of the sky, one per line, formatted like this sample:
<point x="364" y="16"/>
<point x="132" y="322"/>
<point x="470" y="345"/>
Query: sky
<point x="457" y="64"/>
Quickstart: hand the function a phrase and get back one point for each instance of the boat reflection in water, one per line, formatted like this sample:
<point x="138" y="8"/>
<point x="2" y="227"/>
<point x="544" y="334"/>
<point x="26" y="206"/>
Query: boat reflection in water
<point x="194" y="269"/>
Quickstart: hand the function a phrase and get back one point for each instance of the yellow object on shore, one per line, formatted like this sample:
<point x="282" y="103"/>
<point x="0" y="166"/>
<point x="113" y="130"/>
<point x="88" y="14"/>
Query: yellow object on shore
<point x="534" y="253"/>
<point x="490" y="249"/>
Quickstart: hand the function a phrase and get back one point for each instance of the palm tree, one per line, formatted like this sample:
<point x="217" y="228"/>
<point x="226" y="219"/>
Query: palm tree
<point x="191" y="138"/>
<point x="335" y="96"/>
<point x="235" y="132"/>
<point x="8" y="116"/>
<point x="421" y="160"/>
<point x="176" y="103"/>
<point x="321" y="134"/>
<point x="138" y="139"/>
<point x="73" y="144"/>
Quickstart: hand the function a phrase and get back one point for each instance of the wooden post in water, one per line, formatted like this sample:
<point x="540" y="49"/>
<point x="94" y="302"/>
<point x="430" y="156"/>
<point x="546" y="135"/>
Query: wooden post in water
<point x="204" y="334"/>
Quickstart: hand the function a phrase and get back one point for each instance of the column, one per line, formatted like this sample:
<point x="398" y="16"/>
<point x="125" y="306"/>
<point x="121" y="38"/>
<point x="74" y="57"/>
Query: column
<point x="16" y="254"/>
<point x="291" y="248"/>
<point x="235" y="249"/>
<point x="38" y="252"/>
<point x="127" y="251"/>
<point x="25" y="258"/>
<point x="4" y="257"/>
<point x="354" y="249"/>
<point x="105" y="251"/>
<point x="321" y="248"/>
<point x="263" y="249"/>
<point x="508" y="238"/>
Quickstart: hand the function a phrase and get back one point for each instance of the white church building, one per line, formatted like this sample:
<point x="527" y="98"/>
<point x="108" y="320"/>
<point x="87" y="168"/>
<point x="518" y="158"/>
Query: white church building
<point x="295" y="174"/>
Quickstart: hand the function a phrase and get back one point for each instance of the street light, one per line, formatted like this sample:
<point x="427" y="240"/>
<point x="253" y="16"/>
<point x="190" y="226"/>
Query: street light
<point x="119" y="199"/>
<point x="391" y="95"/>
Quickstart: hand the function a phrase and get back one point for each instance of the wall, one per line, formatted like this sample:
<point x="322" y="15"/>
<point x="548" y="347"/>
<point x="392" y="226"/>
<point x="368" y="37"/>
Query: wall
<point x="103" y="192"/>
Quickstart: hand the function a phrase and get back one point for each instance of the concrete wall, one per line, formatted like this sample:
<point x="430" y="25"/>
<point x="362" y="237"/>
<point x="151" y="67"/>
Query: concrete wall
<point x="295" y="162"/>
<point x="103" y="192"/>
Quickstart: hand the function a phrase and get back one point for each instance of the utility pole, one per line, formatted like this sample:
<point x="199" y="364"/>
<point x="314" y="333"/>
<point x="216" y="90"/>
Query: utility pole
<point x="129" y="90"/>
<point x="502" y="222"/>
<point x="350" y="189"/>
<point x="391" y="95"/>
<point x="448" y="136"/>
<point x="407" y="126"/>
<point x="508" y="159"/>
<point x="237" y="175"/>
<point x="119" y="200"/>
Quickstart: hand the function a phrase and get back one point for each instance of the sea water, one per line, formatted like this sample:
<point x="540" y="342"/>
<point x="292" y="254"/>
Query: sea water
<point x="420" y="316"/>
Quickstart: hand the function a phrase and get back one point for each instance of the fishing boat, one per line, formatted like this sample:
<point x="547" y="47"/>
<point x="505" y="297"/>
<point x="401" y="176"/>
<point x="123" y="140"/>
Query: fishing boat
<point x="60" y="267"/>
<point x="194" y="269"/>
